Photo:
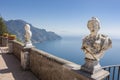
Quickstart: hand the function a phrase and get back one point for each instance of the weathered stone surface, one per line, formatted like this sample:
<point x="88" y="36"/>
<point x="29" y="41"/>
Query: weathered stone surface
<point x="0" y="41"/>
<point x="10" y="46"/>
<point x="100" y="75"/>
<point x="91" y="66"/>
<point x="4" y="41"/>
<point x="25" y="58"/>
<point x="10" y="68"/>
<point x="48" y="67"/>
<point x="17" y="48"/>
<point x="94" y="45"/>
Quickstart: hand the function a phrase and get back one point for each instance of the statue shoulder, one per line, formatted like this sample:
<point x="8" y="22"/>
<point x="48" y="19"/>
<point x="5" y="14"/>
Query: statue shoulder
<point x="85" y="38"/>
<point x="102" y="36"/>
<point x="107" y="40"/>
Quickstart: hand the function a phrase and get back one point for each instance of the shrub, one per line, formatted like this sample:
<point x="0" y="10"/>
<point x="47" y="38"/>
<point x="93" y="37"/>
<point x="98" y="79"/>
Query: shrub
<point x="5" y="34"/>
<point x="12" y="37"/>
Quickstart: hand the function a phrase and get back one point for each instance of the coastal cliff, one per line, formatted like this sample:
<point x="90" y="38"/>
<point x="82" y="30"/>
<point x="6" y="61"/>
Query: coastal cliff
<point x="39" y="35"/>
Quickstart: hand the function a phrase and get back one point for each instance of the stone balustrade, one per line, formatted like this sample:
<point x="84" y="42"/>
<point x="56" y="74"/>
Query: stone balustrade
<point x="4" y="41"/>
<point x="17" y="48"/>
<point x="0" y="41"/>
<point x="47" y="66"/>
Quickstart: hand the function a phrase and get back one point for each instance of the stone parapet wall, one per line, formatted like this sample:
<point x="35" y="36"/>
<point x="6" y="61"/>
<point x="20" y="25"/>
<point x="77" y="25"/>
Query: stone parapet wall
<point x="4" y="41"/>
<point x="0" y="41"/>
<point x="17" y="48"/>
<point x="49" y="67"/>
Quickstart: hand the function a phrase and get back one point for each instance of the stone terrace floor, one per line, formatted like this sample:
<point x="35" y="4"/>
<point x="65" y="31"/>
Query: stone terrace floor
<point x="10" y="68"/>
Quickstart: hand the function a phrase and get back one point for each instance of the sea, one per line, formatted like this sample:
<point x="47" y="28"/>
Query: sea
<point x="69" y="48"/>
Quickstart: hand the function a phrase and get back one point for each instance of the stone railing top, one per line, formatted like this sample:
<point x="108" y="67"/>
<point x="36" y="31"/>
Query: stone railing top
<point x="20" y="43"/>
<point x="61" y="61"/>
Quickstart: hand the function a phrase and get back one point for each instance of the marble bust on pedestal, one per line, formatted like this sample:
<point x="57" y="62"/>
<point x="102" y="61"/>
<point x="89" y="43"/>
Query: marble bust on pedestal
<point x="28" y="35"/>
<point x="94" y="46"/>
<point x="25" y="53"/>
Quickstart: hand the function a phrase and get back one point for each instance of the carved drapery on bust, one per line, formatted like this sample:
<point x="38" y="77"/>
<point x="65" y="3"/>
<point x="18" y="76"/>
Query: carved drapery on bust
<point x="94" y="45"/>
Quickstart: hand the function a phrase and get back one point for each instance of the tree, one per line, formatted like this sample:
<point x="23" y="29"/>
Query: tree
<point x="3" y="28"/>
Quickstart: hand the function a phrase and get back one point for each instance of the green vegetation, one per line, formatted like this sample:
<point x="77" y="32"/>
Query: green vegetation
<point x="4" y="32"/>
<point x="3" y="28"/>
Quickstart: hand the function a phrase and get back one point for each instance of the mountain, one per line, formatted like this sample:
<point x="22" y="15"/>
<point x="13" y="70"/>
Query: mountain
<point x="38" y="35"/>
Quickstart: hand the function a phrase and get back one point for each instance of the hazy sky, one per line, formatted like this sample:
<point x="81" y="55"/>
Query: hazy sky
<point x="67" y="17"/>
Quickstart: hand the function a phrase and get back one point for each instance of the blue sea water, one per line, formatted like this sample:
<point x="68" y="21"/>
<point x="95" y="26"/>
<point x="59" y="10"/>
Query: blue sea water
<point x="69" y="48"/>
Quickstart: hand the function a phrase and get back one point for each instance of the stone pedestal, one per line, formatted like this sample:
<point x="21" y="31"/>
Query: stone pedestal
<point x="91" y="66"/>
<point x="4" y="42"/>
<point x="25" y="58"/>
<point x="93" y="70"/>
<point x="28" y="44"/>
<point x="94" y="45"/>
<point x="0" y="40"/>
<point x="10" y="46"/>
<point x="100" y="75"/>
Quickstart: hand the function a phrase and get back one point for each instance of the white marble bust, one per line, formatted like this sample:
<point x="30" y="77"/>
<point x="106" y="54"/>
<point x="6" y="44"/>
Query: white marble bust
<point x="94" y="45"/>
<point x="28" y="35"/>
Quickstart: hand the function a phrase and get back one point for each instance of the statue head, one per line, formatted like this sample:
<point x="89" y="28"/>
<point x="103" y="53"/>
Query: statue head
<point x="93" y="25"/>
<point x="27" y="27"/>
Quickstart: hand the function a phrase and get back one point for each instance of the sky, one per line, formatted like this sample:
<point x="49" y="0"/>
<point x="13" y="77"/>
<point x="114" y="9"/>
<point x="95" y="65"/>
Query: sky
<point x="65" y="17"/>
